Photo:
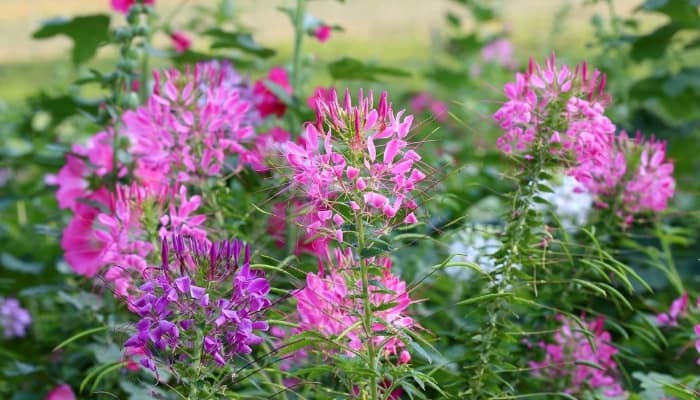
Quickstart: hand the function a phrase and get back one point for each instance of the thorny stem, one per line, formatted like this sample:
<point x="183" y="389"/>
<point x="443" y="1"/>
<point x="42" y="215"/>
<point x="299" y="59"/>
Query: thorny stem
<point x="366" y="307"/>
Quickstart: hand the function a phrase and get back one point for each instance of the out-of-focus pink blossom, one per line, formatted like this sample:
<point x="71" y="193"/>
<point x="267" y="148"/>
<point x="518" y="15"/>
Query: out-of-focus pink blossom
<point x="123" y="6"/>
<point x="424" y="101"/>
<point x="61" y="392"/>
<point x="499" y="51"/>
<point x="323" y="33"/>
<point x="180" y="41"/>
<point x="266" y="102"/>
<point x="563" y="361"/>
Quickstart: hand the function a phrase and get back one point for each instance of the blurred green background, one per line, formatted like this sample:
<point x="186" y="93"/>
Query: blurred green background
<point x="397" y="32"/>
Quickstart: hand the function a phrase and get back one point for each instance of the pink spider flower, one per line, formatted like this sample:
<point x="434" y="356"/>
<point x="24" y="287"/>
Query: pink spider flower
<point x="187" y="127"/>
<point x="363" y="161"/>
<point x="562" y="361"/>
<point x="330" y="301"/>
<point x="93" y="159"/>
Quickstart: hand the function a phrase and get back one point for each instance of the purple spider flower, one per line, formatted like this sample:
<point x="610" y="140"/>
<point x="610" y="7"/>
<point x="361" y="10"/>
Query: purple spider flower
<point x="205" y="290"/>
<point x="13" y="318"/>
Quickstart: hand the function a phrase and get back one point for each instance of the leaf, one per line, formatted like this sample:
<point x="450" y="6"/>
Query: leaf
<point x="87" y="33"/>
<point x="12" y="263"/>
<point x="654" y="44"/>
<point x="464" y="45"/>
<point x="683" y="13"/>
<point x="238" y="40"/>
<point x="351" y="69"/>
<point x="193" y="57"/>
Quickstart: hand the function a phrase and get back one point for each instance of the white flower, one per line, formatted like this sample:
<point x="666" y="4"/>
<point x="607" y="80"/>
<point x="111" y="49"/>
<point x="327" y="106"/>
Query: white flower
<point x="570" y="202"/>
<point x="474" y="244"/>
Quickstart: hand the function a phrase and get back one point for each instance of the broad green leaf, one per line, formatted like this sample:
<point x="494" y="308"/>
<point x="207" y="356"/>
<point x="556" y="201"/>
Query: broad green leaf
<point x="87" y="32"/>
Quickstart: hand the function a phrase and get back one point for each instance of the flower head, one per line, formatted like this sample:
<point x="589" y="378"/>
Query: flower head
<point x="200" y="290"/>
<point x="569" y="360"/>
<point x="61" y="392"/>
<point x="330" y="301"/>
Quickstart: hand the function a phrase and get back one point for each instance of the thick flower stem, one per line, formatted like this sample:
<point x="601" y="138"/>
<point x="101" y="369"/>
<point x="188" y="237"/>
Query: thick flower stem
<point x="367" y="308"/>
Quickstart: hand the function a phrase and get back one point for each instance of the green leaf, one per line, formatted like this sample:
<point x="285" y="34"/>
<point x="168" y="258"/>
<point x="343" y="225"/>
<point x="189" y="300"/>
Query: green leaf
<point x="654" y="44"/>
<point x="193" y="57"/>
<point x="351" y="69"/>
<point x="87" y="33"/>
<point x="238" y="40"/>
<point x="683" y="13"/>
<point x="12" y="263"/>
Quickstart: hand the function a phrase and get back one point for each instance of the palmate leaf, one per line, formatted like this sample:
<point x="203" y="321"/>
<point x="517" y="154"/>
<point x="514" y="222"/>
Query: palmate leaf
<point x="88" y="33"/>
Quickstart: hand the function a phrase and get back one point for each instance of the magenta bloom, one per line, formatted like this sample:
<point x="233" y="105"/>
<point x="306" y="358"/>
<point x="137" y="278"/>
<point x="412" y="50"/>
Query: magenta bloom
<point x="188" y="126"/>
<point x="123" y="6"/>
<point x="424" y="101"/>
<point x="180" y="41"/>
<point x="266" y="102"/>
<point x="331" y="300"/>
<point x="678" y="307"/>
<point x="357" y="156"/>
<point x="83" y="248"/>
<point x="14" y="319"/>
<point x="204" y="289"/>
<point x="561" y="364"/>
<point x="323" y="33"/>
<point x="61" y="392"/>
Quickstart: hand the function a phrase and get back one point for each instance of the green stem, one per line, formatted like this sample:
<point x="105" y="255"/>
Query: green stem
<point x="366" y="308"/>
<point x="298" y="39"/>
<point x="196" y="366"/>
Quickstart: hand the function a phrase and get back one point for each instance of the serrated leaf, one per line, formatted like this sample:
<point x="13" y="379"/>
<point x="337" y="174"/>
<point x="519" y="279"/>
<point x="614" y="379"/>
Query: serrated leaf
<point x="87" y="32"/>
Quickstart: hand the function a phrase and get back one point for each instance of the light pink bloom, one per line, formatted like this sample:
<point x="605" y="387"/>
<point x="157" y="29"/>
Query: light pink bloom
<point x="562" y="365"/>
<point x="323" y="33"/>
<point x="330" y="301"/>
<point x="123" y="6"/>
<point x="499" y="51"/>
<point x="61" y="392"/>
<point x="180" y="41"/>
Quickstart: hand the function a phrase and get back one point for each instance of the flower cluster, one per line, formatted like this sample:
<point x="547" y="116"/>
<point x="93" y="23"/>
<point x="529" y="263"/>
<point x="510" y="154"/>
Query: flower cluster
<point x="580" y="362"/>
<point x="362" y="163"/>
<point x="14" y="319"/>
<point x="192" y="127"/>
<point x="560" y="111"/>
<point x="206" y="300"/>
<point x="331" y="301"/>
<point x="123" y="6"/>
